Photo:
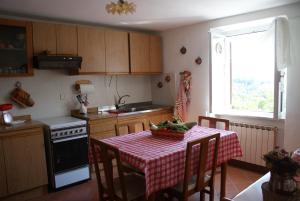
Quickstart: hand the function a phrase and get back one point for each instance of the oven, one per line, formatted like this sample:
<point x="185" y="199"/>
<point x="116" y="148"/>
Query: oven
<point x="67" y="152"/>
<point x="70" y="153"/>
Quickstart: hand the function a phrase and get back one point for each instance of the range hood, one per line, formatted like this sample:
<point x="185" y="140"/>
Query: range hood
<point x="57" y="62"/>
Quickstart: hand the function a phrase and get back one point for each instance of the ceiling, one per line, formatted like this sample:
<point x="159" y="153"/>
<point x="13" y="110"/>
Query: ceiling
<point x="155" y="15"/>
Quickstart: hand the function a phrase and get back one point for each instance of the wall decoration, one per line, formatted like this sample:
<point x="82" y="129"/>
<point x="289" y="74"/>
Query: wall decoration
<point x="168" y="78"/>
<point x="219" y="48"/>
<point x="183" y="50"/>
<point x="198" y="60"/>
<point x="160" y="85"/>
<point x="21" y="97"/>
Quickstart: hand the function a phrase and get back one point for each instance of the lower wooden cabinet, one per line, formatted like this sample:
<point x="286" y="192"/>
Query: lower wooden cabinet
<point x="105" y="128"/>
<point x="102" y="128"/>
<point x="24" y="159"/>
<point x="159" y="116"/>
<point x="154" y="117"/>
<point x="3" y="185"/>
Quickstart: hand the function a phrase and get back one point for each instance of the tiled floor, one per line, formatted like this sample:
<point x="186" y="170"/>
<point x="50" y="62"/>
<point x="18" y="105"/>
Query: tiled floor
<point x="237" y="180"/>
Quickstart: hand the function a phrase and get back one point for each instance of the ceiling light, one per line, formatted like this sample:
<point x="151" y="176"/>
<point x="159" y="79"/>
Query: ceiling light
<point x="121" y="7"/>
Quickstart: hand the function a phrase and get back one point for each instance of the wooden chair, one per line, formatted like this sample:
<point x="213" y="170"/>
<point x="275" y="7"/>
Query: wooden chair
<point x="202" y="180"/>
<point x="130" y="127"/>
<point x="212" y="122"/>
<point x="125" y="187"/>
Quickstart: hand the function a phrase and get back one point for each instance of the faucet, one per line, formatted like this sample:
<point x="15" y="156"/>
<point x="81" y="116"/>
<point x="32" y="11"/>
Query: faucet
<point x="119" y="102"/>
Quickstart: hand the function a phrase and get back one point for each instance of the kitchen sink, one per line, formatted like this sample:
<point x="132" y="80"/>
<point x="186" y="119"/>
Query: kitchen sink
<point x="132" y="109"/>
<point x="122" y="110"/>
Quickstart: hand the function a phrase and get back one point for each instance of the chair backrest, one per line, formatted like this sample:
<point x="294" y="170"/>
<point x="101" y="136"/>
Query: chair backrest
<point x="129" y="127"/>
<point x="108" y="153"/>
<point x="95" y="145"/>
<point x="212" y="122"/>
<point x="192" y="147"/>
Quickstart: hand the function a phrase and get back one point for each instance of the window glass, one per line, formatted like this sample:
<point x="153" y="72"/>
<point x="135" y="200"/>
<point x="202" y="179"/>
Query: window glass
<point x="252" y="72"/>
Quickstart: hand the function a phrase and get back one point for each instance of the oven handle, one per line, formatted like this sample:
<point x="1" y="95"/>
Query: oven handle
<point x="70" y="138"/>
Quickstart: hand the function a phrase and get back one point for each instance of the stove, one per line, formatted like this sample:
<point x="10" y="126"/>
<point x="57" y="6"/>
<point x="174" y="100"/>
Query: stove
<point x="66" y="143"/>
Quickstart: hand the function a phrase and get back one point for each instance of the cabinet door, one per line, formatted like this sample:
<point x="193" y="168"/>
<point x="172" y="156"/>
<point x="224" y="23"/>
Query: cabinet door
<point x="44" y="38"/>
<point x="3" y="185"/>
<point x="156" y="65"/>
<point x="117" y="52"/>
<point x="15" y="48"/>
<point x="66" y="39"/>
<point x="139" y="53"/>
<point x="91" y="47"/>
<point x="25" y="162"/>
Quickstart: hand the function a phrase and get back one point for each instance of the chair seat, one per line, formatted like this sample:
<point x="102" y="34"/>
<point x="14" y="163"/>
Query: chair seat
<point x="191" y="184"/>
<point x="135" y="186"/>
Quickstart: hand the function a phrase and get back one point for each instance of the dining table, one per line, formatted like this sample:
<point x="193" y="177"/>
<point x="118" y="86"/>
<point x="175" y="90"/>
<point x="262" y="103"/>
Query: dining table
<point x="162" y="159"/>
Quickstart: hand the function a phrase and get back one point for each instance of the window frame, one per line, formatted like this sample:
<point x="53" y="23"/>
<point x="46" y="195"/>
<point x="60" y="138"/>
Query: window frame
<point x="277" y="114"/>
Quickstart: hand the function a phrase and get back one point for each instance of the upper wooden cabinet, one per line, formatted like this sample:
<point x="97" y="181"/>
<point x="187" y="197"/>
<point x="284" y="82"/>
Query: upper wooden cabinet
<point x="156" y="65"/>
<point x="15" y="48"/>
<point x="117" y="52"/>
<point x="44" y="38"/>
<point x="91" y="47"/>
<point x="145" y="53"/>
<point x="54" y="38"/>
<point x="103" y="51"/>
<point x="66" y="39"/>
<point x="139" y="52"/>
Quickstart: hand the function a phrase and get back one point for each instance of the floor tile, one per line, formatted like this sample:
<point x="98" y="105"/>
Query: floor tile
<point x="237" y="180"/>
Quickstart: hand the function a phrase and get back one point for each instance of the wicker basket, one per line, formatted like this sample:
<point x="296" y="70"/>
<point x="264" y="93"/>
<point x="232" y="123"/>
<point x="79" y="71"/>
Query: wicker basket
<point x="168" y="134"/>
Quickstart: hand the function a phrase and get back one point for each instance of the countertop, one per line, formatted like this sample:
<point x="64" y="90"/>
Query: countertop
<point x="26" y="125"/>
<point x="102" y="115"/>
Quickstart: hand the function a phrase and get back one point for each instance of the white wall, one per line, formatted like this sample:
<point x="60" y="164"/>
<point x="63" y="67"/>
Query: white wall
<point x="292" y="124"/>
<point x="196" y="39"/>
<point x="46" y="87"/>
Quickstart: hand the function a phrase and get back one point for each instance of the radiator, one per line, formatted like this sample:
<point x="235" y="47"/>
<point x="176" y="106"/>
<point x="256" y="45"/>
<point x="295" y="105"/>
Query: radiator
<point x="256" y="140"/>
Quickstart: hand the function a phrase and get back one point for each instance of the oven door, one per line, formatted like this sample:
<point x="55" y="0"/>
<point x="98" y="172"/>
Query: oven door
<point x="70" y="153"/>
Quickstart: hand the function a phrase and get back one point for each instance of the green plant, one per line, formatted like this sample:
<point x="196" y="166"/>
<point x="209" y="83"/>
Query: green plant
<point x="280" y="162"/>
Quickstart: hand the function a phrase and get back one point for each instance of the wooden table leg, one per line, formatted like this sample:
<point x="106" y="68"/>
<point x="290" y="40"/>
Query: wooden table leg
<point x="223" y="181"/>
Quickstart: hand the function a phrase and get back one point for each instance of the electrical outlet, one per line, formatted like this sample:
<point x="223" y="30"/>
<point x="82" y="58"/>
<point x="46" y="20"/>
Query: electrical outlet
<point x="62" y="96"/>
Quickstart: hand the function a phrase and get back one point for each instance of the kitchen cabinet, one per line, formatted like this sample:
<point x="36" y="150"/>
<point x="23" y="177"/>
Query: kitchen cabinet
<point x="145" y="53"/>
<point x="159" y="116"/>
<point x="3" y="186"/>
<point x="54" y="38"/>
<point x="132" y="119"/>
<point x="91" y="47"/>
<point x="117" y="52"/>
<point x="44" y="38"/>
<point x="139" y="53"/>
<point x="15" y="48"/>
<point x="102" y="128"/>
<point x="24" y="159"/>
<point x="156" y="65"/>
<point x="154" y="117"/>
<point x="66" y="39"/>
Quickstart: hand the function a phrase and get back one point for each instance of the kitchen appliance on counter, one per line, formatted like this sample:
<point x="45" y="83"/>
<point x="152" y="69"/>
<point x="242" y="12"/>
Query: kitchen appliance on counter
<point x="6" y="117"/>
<point x="66" y="143"/>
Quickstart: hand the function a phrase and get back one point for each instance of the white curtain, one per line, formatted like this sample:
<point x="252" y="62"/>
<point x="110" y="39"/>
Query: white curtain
<point x="283" y="59"/>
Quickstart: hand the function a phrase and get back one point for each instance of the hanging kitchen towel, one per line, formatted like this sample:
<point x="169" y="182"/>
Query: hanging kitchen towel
<point x="183" y="96"/>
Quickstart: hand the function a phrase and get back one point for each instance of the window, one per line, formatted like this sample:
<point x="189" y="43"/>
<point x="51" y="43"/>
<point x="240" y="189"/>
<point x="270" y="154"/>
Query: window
<point x="244" y="79"/>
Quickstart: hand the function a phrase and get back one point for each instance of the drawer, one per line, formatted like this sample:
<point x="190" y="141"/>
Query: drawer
<point x="103" y="135"/>
<point x="102" y="125"/>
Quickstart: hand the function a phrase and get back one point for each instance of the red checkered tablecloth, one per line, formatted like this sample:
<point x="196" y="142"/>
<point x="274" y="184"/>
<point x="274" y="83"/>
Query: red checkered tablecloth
<point x="162" y="159"/>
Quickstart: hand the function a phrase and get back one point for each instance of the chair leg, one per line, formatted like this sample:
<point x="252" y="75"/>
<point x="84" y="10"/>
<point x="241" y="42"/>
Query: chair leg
<point x="202" y="196"/>
<point x="211" y="193"/>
